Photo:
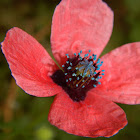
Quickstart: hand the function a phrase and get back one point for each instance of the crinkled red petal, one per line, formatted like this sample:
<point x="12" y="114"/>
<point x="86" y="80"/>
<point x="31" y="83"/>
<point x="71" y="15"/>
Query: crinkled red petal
<point x="121" y="82"/>
<point x="93" y="117"/>
<point x="85" y="25"/>
<point x="30" y="63"/>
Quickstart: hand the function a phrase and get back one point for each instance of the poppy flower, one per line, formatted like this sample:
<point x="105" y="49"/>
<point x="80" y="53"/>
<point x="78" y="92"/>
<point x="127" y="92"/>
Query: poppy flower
<point x="86" y="86"/>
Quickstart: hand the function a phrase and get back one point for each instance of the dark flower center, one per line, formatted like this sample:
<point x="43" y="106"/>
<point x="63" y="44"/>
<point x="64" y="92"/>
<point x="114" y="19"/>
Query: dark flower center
<point x="79" y="75"/>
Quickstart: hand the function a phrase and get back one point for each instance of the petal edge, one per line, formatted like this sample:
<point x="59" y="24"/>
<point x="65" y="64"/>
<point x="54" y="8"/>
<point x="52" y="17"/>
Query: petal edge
<point x="95" y="117"/>
<point x="121" y="82"/>
<point x="87" y="26"/>
<point x="29" y="62"/>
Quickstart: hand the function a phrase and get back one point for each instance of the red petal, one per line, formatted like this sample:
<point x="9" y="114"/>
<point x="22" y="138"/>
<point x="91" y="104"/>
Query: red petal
<point x="29" y="62"/>
<point x="79" y="26"/>
<point x="121" y="82"/>
<point x="93" y="117"/>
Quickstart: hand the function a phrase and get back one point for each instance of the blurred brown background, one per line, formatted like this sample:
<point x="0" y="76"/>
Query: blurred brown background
<point x="23" y="116"/>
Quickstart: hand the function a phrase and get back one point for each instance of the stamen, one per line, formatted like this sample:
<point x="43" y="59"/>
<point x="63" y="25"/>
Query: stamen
<point x="67" y="55"/>
<point x="95" y="73"/>
<point x="99" y="83"/>
<point x="69" y="68"/>
<point x="81" y="72"/>
<point x="78" y="78"/>
<point x="83" y="86"/>
<point x="98" y="61"/>
<point x="73" y="74"/>
<point x="95" y="57"/>
<point x="80" y="58"/>
<point x="90" y="57"/>
<point x="92" y="78"/>
<point x="70" y="79"/>
<point x="86" y="55"/>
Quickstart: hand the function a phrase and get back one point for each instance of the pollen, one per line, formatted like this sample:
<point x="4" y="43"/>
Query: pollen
<point x="82" y="72"/>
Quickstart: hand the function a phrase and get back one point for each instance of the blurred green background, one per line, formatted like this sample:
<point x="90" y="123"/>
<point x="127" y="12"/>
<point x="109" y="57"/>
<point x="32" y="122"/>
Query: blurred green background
<point x="23" y="116"/>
